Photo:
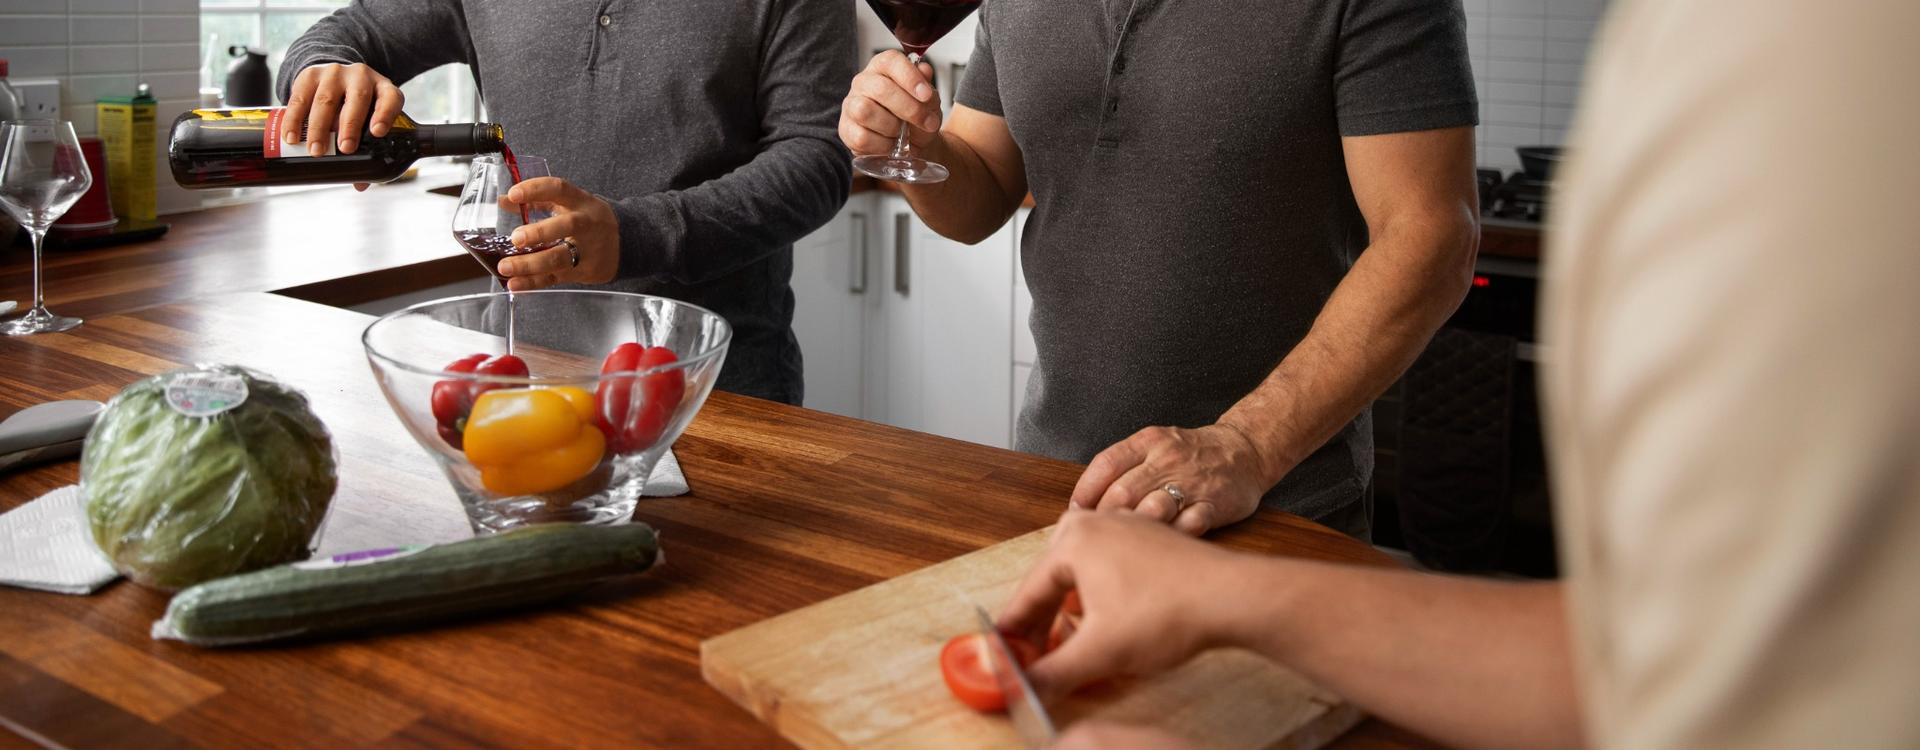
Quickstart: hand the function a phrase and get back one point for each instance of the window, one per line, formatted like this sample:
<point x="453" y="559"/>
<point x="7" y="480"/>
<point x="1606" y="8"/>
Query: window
<point x="444" y="94"/>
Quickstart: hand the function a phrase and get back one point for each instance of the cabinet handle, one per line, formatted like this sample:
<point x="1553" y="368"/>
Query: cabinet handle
<point x="858" y="284"/>
<point x="902" y="229"/>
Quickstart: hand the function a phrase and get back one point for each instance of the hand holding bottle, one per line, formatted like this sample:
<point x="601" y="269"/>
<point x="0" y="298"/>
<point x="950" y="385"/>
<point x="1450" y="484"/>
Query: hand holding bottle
<point x="330" y="97"/>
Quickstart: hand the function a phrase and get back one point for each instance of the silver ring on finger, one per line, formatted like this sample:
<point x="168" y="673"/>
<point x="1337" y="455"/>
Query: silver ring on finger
<point x="573" y="252"/>
<point x="1179" y="498"/>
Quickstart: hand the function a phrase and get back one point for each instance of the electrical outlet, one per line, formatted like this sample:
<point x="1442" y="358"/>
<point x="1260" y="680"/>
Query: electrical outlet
<point x="39" y="97"/>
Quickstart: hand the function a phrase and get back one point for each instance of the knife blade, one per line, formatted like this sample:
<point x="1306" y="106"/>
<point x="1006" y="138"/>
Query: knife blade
<point x="1030" y="719"/>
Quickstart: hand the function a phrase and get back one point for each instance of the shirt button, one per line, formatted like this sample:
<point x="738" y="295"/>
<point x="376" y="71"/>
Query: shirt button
<point x="1120" y="64"/>
<point x="1113" y="106"/>
<point x="606" y="21"/>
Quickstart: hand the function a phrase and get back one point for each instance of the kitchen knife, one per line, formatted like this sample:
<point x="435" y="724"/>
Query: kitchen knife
<point x="46" y="432"/>
<point x="1030" y="719"/>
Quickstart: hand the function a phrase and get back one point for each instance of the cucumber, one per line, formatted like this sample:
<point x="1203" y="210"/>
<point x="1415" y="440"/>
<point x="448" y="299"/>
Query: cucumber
<point x="406" y="586"/>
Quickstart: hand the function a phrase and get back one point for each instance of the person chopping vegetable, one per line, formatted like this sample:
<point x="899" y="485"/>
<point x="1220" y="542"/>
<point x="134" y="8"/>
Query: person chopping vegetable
<point x="1733" y="425"/>
<point x="1204" y="179"/>
<point x="695" y="153"/>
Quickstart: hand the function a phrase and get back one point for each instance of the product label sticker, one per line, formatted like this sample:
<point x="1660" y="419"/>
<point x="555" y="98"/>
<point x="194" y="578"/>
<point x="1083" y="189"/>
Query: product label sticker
<point x="204" y="394"/>
<point x="270" y="139"/>
<point x="363" y="557"/>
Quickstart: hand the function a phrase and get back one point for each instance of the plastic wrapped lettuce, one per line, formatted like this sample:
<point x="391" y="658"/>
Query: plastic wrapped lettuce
<point x="206" y="472"/>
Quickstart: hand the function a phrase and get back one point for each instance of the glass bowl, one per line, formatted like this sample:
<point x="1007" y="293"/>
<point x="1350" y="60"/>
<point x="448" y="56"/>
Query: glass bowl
<point x="566" y="442"/>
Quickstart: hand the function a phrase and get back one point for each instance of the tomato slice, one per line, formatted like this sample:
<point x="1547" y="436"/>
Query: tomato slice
<point x="966" y="663"/>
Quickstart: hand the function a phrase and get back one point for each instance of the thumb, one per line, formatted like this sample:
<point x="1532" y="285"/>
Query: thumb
<point x="1078" y="661"/>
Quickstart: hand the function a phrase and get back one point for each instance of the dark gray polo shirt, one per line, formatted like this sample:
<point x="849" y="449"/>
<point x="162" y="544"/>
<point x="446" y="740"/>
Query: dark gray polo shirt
<point x="1192" y="210"/>
<point x="708" y="125"/>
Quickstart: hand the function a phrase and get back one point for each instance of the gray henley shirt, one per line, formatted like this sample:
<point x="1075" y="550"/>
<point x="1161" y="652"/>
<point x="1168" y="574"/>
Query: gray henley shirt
<point x="708" y="125"/>
<point x="1192" y="209"/>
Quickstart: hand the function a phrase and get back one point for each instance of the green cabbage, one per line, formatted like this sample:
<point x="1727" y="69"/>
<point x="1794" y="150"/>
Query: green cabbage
<point x="174" y="499"/>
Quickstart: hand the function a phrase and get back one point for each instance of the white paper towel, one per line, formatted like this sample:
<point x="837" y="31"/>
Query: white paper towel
<point x="45" y="545"/>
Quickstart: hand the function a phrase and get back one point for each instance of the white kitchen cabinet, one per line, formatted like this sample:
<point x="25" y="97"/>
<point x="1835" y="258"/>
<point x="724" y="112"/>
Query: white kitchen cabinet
<point x="927" y="341"/>
<point x="830" y="288"/>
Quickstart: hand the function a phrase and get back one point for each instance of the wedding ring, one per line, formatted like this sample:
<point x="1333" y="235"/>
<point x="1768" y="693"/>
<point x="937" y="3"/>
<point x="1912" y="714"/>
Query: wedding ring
<point x="1179" y="498"/>
<point x="573" y="252"/>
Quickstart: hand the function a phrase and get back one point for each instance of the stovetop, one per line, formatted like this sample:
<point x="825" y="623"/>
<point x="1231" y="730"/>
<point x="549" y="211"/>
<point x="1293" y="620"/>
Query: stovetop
<point x="1515" y="196"/>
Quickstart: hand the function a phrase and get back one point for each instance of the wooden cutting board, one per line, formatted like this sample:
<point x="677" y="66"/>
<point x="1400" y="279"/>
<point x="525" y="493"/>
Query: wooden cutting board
<point x="862" y="670"/>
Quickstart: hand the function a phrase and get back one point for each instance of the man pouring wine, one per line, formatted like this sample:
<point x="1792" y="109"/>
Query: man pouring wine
<point x="687" y="155"/>
<point x="1206" y="177"/>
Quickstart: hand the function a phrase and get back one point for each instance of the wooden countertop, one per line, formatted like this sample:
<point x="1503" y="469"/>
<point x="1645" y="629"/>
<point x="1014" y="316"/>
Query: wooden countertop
<point x="331" y="245"/>
<point x="789" y="507"/>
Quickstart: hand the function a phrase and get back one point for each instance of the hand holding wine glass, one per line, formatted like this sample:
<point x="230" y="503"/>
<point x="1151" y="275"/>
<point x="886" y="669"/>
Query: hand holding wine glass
<point x="917" y="24"/>
<point x="582" y="237"/>
<point x="42" y="174"/>
<point x="891" y="96"/>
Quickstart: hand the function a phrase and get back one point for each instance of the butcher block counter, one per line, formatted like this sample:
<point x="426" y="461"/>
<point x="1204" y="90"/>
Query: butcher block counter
<point x="789" y="507"/>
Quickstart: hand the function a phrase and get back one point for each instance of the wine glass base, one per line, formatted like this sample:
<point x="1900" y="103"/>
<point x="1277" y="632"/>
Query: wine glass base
<point x="911" y="169"/>
<point x="38" y="321"/>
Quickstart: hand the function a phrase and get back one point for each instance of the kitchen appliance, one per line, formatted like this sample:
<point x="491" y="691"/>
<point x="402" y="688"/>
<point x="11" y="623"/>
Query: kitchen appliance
<point x="862" y="670"/>
<point x="1539" y="162"/>
<point x="249" y="80"/>
<point x="1515" y="197"/>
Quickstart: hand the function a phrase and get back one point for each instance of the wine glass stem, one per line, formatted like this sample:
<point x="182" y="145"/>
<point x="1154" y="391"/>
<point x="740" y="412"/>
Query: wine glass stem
<point x="39" y="290"/>
<point x="901" y="149"/>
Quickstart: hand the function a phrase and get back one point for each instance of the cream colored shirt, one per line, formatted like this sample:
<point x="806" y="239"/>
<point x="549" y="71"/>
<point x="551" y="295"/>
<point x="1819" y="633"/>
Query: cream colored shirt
<point x="1733" y="333"/>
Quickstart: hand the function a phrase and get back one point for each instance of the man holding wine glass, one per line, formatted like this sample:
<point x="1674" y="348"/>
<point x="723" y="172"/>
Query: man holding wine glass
<point x="687" y="155"/>
<point x="1206" y="178"/>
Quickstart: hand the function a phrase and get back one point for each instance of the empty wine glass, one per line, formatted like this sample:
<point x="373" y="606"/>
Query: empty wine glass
<point x="484" y="221"/>
<point x="42" y="174"/>
<point x="917" y="24"/>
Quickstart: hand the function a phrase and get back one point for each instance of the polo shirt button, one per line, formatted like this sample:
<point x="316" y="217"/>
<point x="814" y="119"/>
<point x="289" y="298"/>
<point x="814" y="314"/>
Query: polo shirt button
<point x="1113" y="106"/>
<point x="606" y="21"/>
<point x="1120" y="64"/>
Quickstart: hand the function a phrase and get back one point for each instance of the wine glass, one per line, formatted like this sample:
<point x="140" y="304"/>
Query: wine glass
<point x="917" y="24"/>
<point x="484" y="221"/>
<point x="42" y="174"/>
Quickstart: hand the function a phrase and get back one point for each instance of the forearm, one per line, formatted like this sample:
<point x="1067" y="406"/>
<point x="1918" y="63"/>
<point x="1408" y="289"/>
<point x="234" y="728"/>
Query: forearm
<point x="789" y="189"/>
<point x="972" y="203"/>
<point x="1468" y="662"/>
<point x="1378" y="320"/>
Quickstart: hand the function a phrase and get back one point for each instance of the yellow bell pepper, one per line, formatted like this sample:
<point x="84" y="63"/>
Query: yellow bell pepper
<point x="526" y="441"/>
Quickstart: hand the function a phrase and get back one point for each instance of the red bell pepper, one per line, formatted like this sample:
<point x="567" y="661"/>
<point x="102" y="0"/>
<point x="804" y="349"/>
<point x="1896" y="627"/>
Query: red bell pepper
<point x="453" y="399"/>
<point x="634" y="427"/>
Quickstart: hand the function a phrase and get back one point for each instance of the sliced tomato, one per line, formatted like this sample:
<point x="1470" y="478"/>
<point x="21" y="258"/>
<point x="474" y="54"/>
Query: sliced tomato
<point x="966" y="663"/>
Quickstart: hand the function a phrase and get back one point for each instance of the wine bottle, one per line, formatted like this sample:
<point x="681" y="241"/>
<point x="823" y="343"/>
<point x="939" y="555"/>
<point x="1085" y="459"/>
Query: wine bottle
<point x="220" y="148"/>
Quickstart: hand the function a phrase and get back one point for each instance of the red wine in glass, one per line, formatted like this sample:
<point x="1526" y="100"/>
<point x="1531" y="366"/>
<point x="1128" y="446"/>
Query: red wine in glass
<point x="917" y="24"/>
<point x="920" y="23"/>
<point x="484" y="221"/>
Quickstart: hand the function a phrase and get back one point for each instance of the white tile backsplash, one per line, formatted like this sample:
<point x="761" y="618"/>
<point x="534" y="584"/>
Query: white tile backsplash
<point x="24" y="30"/>
<point x="103" y="29"/>
<point x="1529" y="57"/>
<point x="102" y="48"/>
<point x="163" y="29"/>
<point x="35" y="62"/>
<point x="170" y="56"/>
<point x="112" y="58"/>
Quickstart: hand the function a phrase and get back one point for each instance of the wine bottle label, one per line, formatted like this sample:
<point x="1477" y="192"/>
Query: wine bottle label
<point x="270" y="139"/>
